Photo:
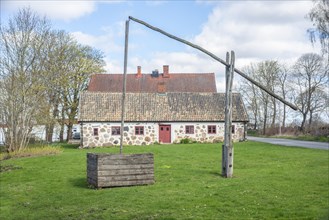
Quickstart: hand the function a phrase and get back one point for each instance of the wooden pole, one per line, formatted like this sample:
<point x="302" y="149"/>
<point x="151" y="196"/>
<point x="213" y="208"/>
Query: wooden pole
<point x="124" y="86"/>
<point x="227" y="148"/>
<point x="216" y="58"/>
<point x="224" y="155"/>
<point x="228" y="151"/>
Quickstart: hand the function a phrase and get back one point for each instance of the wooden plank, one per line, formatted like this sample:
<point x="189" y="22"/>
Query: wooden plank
<point x="126" y="177"/>
<point x="125" y="161"/>
<point x="124" y="167"/>
<point x="107" y="170"/>
<point x="124" y="183"/>
<point x="122" y="156"/>
<point x="125" y="172"/>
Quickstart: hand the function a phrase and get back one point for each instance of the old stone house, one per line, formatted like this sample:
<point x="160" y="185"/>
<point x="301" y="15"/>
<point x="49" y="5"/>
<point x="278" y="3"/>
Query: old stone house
<point x="160" y="108"/>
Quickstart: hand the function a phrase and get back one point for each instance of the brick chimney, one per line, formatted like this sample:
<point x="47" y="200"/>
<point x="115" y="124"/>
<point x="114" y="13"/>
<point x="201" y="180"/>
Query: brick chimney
<point x="166" y="71"/>
<point x="139" y="72"/>
<point x="161" y="87"/>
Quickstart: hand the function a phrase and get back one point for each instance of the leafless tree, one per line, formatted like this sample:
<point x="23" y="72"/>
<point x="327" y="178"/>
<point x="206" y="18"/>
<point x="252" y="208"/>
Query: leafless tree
<point x="250" y="94"/>
<point x="319" y="15"/>
<point x="283" y="88"/>
<point x="261" y="105"/>
<point x="310" y="77"/>
<point x="21" y="87"/>
<point x="42" y="72"/>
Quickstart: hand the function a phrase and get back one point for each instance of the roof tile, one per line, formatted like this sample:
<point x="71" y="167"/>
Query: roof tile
<point x="101" y="107"/>
<point x="177" y="82"/>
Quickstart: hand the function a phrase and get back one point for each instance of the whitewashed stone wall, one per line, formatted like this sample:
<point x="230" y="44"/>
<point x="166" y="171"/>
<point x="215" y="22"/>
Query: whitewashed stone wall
<point x="105" y="137"/>
<point x="151" y="133"/>
<point x="201" y="132"/>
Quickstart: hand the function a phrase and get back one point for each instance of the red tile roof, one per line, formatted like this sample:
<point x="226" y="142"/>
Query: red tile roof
<point x="176" y="82"/>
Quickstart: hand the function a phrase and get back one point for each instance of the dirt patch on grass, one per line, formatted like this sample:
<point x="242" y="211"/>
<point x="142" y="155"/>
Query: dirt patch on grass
<point x="32" y="152"/>
<point x="9" y="167"/>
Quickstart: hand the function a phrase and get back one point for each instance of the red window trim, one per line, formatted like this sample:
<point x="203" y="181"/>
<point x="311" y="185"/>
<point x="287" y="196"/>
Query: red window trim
<point x="117" y="128"/>
<point x="139" y="130"/>
<point x="189" y="129"/>
<point x="212" y="129"/>
<point x="95" y="131"/>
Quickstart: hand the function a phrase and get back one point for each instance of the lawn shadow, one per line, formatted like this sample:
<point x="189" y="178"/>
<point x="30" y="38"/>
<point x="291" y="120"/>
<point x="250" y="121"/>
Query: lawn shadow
<point x="79" y="182"/>
<point x="69" y="146"/>
<point x="216" y="174"/>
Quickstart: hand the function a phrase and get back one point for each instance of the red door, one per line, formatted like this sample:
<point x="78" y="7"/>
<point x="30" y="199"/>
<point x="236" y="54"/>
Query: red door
<point x="164" y="134"/>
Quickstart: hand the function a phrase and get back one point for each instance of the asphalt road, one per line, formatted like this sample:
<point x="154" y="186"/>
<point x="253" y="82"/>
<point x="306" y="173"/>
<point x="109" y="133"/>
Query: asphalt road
<point x="293" y="143"/>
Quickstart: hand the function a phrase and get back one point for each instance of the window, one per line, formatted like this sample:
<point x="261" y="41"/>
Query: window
<point x="189" y="129"/>
<point x="233" y="129"/>
<point x="95" y="131"/>
<point x="139" y="130"/>
<point x="115" y="130"/>
<point x="211" y="129"/>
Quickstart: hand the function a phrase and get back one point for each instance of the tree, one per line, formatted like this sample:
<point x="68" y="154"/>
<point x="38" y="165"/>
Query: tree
<point x="21" y="88"/>
<point x="310" y="77"/>
<point x="262" y="106"/>
<point x="84" y="61"/>
<point x="319" y="15"/>
<point x="42" y="72"/>
<point x="283" y="88"/>
<point x="250" y="93"/>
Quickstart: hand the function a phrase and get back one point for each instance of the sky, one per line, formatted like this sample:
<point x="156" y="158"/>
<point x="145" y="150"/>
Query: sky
<point x="255" y="30"/>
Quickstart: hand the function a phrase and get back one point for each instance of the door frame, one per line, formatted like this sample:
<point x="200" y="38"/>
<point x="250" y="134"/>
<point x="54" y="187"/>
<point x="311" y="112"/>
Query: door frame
<point x="167" y="125"/>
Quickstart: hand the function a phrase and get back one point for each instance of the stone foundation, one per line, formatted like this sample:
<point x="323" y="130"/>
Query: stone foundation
<point x="151" y="133"/>
<point x="201" y="133"/>
<point x="105" y="137"/>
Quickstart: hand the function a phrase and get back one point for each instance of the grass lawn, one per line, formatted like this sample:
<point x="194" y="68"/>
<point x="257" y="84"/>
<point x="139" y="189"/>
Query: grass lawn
<point x="270" y="182"/>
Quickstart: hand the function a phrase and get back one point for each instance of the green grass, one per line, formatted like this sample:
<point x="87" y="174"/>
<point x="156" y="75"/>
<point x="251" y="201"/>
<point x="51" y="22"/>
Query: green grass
<point x="307" y="138"/>
<point x="270" y="182"/>
<point x="32" y="151"/>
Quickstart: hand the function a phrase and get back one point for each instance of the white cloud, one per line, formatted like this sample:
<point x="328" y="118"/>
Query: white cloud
<point x="180" y="62"/>
<point x="59" y="10"/>
<point x="105" y="42"/>
<point x="257" y="30"/>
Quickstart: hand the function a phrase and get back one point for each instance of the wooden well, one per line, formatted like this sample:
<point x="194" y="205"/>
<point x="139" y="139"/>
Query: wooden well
<point x="113" y="170"/>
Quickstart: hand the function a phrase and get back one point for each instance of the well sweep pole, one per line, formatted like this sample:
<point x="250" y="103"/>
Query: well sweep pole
<point x="124" y="86"/>
<point x="216" y="58"/>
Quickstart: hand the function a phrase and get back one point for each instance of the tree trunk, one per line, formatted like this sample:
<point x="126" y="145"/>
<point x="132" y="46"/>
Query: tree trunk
<point x="274" y="113"/>
<point x="49" y="132"/>
<point x="302" y="126"/>
<point x="69" y="131"/>
<point x="284" y="117"/>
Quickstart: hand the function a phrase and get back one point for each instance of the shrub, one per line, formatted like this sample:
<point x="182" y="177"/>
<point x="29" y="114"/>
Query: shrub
<point x="32" y="152"/>
<point x="185" y="141"/>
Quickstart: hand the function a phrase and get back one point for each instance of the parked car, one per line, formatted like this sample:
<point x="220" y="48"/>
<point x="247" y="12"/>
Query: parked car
<point x="76" y="135"/>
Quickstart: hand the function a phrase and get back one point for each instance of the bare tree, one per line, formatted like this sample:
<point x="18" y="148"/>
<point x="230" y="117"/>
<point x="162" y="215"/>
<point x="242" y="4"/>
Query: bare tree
<point x="21" y="87"/>
<point x="319" y="15"/>
<point x="42" y="72"/>
<point x="260" y="105"/>
<point x="250" y="94"/>
<point x="309" y="78"/>
<point x="283" y="89"/>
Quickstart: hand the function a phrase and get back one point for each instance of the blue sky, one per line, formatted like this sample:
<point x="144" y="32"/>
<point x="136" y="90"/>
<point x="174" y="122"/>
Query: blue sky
<point x="255" y="30"/>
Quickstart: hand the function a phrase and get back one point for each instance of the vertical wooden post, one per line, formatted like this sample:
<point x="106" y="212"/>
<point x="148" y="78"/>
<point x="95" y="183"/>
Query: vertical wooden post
<point x="224" y="155"/>
<point x="124" y="86"/>
<point x="227" y="148"/>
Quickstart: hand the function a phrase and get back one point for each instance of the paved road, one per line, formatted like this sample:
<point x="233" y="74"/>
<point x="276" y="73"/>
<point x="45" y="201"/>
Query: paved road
<point x="294" y="143"/>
